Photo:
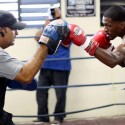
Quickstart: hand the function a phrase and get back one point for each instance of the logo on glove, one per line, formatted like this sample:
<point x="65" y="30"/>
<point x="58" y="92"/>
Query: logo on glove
<point x="78" y="31"/>
<point x="44" y="39"/>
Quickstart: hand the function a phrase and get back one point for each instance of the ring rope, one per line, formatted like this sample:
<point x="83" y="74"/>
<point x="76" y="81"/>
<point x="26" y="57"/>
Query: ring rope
<point x="68" y="113"/>
<point x="80" y="85"/>
<point x="23" y="37"/>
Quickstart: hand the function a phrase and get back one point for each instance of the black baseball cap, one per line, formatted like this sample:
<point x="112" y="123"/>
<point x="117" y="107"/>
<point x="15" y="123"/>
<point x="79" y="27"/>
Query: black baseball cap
<point x="7" y="19"/>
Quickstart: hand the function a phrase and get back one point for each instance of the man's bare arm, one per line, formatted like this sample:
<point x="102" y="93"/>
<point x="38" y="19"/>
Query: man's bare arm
<point x="30" y="69"/>
<point x="110" y="58"/>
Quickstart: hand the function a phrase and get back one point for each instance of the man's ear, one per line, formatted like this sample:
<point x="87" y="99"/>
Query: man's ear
<point x="1" y="32"/>
<point x="122" y="24"/>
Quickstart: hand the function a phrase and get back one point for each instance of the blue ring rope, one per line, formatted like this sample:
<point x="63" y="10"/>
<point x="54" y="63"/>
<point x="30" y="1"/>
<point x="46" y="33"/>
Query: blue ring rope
<point x="80" y="85"/>
<point x="24" y="37"/>
<point x="67" y="113"/>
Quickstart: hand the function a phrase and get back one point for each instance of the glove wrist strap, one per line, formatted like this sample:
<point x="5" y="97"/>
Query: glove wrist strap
<point x="92" y="48"/>
<point x="86" y="44"/>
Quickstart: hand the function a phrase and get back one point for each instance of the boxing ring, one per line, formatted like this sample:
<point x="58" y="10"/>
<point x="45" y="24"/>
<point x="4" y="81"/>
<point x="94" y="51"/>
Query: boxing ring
<point x="102" y="120"/>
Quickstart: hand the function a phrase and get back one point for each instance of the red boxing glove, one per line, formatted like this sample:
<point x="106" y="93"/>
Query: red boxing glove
<point x="102" y="38"/>
<point x="79" y="38"/>
<point x="76" y="35"/>
<point x="99" y="39"/>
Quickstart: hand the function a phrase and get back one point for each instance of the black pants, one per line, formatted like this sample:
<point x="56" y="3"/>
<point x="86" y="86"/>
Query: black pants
<point x="55" y="78"/>
<point x="5" y="117"/>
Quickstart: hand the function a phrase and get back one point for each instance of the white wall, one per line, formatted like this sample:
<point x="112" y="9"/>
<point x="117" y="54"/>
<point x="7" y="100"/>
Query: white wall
<point x="83" y="72"/>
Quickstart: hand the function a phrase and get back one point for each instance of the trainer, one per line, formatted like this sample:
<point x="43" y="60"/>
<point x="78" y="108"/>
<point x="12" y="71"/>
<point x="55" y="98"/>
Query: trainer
<point x="13" y="69"/>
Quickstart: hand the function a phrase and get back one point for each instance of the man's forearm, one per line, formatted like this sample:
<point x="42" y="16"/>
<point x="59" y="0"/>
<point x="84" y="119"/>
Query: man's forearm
<point x="109" y="58"/>
<point x="30" y="69"/>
